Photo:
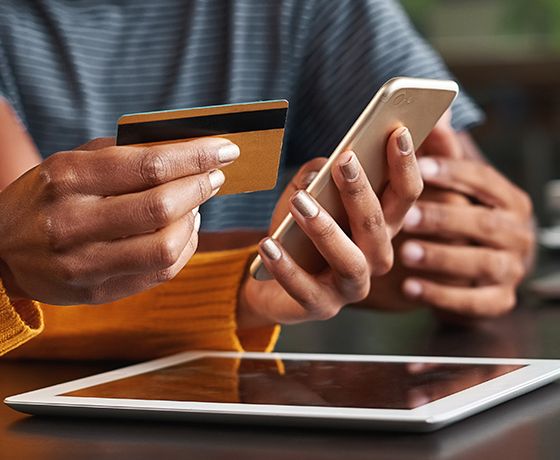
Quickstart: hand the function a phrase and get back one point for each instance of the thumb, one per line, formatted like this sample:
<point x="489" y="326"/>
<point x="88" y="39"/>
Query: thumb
<point x="301" y="180"/>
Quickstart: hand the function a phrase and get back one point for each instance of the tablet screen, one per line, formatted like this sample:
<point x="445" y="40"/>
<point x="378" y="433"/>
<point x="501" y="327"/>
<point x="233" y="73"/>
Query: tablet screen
<point x="377" y="385"/>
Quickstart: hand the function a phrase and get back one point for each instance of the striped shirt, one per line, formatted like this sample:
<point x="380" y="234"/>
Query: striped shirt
<point x="70" y="68"/>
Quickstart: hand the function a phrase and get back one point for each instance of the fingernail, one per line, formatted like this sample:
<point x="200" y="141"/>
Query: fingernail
<point x="217" y="178"/>
<point x="308" y="178"/>
<point x="428" y="167"/>
<point x="404" y="142"/>
<point x="305" y="204"/>
<point x="271" y="249"/>
<point x="228" y="152"/>
<point x="195" y="210"/>
<point x="350" y="169"/>
<point x="412" y="288"/>
<point x="413" y="217"/>
<point x="197" y="223"/>
<point x="412" y="252"/>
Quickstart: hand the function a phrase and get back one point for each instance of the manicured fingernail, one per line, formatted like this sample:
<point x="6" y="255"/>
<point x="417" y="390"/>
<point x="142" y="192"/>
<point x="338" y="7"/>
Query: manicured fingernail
<point x="404" y="142"/>
<point x="412" y="288"/>
<point x="197" y="223"/>
<point x="271" y="249"/>
<point x="217" y="179"/>
<point x="308" y="178"/>
<point x="428" y="167"/>
<point x="228" y="152"/>
<point x="305" y="204"/>
<point x="195" y="210"/>
<point x="350" y="169"/>
<point x="413" y="217"/>
<point x="412" y="252"/>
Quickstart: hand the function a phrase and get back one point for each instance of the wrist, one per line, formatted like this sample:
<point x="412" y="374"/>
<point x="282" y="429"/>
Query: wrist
<point x="249" y="307"/>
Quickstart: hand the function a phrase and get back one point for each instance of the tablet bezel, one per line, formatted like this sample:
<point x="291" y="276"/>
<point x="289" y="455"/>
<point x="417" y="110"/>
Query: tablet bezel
<point x="432" y="415"/>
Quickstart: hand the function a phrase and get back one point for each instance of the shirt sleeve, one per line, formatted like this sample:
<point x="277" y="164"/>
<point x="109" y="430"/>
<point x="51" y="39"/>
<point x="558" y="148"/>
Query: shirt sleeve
<point x="194" y="311"/>
<point x="353" y="48"/>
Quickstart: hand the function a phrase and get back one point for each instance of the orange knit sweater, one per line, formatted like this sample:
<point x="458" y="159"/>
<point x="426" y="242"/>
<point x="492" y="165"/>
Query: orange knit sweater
<point x="196" y="310"/>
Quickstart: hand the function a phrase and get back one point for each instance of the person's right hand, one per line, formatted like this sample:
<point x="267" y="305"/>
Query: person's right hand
<point x="351" y="260"/>
<point x="102" y="222"/>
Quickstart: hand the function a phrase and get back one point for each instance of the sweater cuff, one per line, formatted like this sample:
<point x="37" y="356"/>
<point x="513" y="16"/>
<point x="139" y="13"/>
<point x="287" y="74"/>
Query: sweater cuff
<point x="19" y="321"/>
<point x="210" y="284"/>
<point x="261" y="339"/>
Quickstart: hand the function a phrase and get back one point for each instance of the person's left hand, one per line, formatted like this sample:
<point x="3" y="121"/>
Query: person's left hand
<point x="469" y="241"/>
<point x="495" y="229"/>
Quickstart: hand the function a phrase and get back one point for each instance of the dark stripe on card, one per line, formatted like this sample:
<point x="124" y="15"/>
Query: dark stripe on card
<point x="210" y="125"/>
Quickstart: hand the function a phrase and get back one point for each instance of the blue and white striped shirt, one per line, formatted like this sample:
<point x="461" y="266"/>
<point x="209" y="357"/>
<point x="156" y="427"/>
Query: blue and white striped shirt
<point x="70" y="68"/>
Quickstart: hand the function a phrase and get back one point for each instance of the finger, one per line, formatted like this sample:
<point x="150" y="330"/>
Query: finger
<point x="301" y="180"/>
<point x="443" y="196"/>
<point x="476" y="302"/>
<point x="310" y="295"/>
<point x="365" y="216"/>
<point x="307" y="173"/>
<point x="405" y="182"/>
<point x="346" y="260"/>
<point x="475" y="263"/>
<point x="124" y="286"/>
<point x="491" y="227"/>
<point x="128" y="169"/>
<point x="151" y="254"/>
<point x="110" y="218"/>
<point x="152" y="209"/>
<point x="477" y="180"/>
<point x="442" y="140"/>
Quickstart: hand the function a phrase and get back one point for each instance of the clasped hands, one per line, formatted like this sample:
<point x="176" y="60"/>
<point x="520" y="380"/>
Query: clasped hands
<point x="466" y="243"/>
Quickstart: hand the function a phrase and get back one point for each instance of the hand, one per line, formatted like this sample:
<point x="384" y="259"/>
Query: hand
<point x="497" y="233"/>
<point x="295" y="295"/>
<point x="464" y="268"/>
<point x="387" y="291"/>
<point x="102" y="222"/>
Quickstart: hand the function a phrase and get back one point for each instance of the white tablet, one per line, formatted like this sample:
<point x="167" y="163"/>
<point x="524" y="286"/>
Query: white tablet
<point x="342" y="391"/>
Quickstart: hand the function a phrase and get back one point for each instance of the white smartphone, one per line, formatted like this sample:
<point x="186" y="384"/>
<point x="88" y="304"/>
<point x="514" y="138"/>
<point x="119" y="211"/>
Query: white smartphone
<point x="415" y="103"/>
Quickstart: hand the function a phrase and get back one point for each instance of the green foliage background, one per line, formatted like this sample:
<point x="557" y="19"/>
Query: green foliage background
<point x="537" y="17"/>
<point x="419" y="10"/>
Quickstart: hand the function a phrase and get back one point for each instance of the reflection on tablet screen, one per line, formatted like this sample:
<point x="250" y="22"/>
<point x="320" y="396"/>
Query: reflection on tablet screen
<point x="377" y="385"/>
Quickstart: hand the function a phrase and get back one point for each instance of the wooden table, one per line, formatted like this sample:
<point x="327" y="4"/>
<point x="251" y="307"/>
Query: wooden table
<point x="527" y="428"/>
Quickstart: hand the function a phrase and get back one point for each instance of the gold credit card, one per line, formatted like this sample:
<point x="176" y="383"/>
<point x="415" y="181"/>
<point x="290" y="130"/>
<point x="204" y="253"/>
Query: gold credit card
<point x="256" y="127"/>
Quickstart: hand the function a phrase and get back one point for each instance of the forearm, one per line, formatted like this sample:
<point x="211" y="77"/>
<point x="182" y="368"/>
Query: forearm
<point x="18" y="153"/>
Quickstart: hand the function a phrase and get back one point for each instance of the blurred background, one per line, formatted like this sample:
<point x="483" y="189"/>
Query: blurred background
<point x="506" y="53"/>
